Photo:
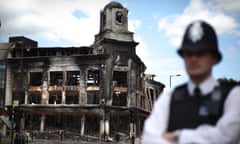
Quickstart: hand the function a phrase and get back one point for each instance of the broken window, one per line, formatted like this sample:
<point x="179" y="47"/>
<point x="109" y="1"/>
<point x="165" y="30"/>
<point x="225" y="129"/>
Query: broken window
<point x="119" y="99"/>
<point x="72" y="98"/>
<point x="151" y="90"/>
<point x="56" y="78"/>
<point x="34" y="99"/>
<point x="35" y="78"/>
<point x="55" y="98"/>
<point x="73" y="78"/>
<point x="119" y="17"/>
<point x="91" y="125"/>
<point x="93" y="98"/>
<point x="93" y="77"/>
<point x="120" y="77"/>
<point x="51" y="52"/>
<point x="119" y="122"/>
<point x="42" y="52"/>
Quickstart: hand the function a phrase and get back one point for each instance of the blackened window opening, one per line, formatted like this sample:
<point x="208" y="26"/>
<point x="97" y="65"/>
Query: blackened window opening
<point x="73" y="78"/>
<point x="93" y="78"/>
<point x="35" y="78"/>
<point x="120" y="77"/>
<point x="56" y="78"/>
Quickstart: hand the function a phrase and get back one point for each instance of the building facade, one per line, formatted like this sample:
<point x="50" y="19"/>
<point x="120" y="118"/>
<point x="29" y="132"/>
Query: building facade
<point x="99" y="90"/>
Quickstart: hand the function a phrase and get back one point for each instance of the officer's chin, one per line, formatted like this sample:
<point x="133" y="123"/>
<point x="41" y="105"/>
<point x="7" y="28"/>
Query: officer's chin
<point x="194" y="73"/>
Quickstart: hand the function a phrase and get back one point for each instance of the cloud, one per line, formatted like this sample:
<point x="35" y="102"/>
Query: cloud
<point x="141" y="49"/>
<point x="52" y="21"/>
<point x="173" y="26"/>
<point x="232" y="53"/>
<point x="231" y="6"/>
<point x="58" y="22"/>
<point x="166" y="66"/>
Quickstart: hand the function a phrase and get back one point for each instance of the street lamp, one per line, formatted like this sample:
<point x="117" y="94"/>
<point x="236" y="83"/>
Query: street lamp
<point x="170" y="77"/>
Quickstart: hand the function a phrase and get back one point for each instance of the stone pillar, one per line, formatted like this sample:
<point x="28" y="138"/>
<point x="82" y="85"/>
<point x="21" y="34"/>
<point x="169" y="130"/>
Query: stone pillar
<point x="45" y="94"/>
<point x="101" y="131"/>
<point x="132" y="130"/>
<point x="83" y="118"/>
<point x="63" y="97"/>
<point x="102" y="121"/>
<point x="132" y="84"/>
<point x="9" y="89"/>
<point x="26" y="97"/>
<point x="44" y="98"/>
<point x="22" y="124"/>
<point x="42" y="123"/>
<point x="104" y="125"/>
<point x="107" y="127"/>
<point x="83" y="93"/>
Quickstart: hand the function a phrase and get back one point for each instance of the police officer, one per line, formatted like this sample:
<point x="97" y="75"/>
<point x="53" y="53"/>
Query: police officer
<point x="202" y="111"/>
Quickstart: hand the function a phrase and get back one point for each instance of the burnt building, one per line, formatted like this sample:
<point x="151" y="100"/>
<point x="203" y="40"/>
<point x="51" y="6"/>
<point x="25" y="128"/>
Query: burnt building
<point x="99" y="90"/>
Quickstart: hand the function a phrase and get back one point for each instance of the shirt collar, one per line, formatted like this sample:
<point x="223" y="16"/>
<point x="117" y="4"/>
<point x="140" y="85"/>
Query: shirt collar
<point x="205" y="87"/>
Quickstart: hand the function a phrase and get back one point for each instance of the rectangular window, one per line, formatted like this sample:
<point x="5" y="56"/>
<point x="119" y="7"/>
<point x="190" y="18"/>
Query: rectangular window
<point x="73" y="78"/>
<point x="36" y="78"/>
<point x="93" y="98"/>
<point x="93" y="77"/>
<point x="56" y="78"/>
<point x="120" y="77"/>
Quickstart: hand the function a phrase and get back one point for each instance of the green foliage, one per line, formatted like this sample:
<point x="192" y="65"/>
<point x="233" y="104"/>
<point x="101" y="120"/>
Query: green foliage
<point x="230" y="80"/>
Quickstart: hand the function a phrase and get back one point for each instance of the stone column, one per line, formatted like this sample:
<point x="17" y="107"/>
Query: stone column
<point x="45" y="94"/>
<point x="63" y="100"/>
<point x="132" y="130"/>
<point x="9" y="89"/>
<point x="107" y="127"/>
<point x="63" y="97"/>
<point x="22" y="124"/>
<point x="44" y="98"/>
<point x="83" y="93"/>
<point x="26" y="97"/>
<point x="42" y="123"/>
<point x="104" y="124"/>
<point x="83" y="118"/>
<point x="132" y="84"/>
<point x="101" y="131"/>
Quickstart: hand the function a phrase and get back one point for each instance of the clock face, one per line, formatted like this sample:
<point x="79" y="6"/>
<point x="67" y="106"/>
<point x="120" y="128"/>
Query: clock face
<point x="119" y="17"/>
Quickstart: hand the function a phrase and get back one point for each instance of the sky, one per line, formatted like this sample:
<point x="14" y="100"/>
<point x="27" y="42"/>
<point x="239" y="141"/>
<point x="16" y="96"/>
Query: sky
<point x="158" y="26"/>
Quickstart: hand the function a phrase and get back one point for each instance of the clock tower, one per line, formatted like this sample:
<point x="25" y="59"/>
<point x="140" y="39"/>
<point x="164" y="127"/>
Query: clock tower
<point x="122" y="70"/>
<point x="114" y="23"/>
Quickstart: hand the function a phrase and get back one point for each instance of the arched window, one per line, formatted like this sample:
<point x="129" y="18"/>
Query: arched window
<point x="119" y="17"/>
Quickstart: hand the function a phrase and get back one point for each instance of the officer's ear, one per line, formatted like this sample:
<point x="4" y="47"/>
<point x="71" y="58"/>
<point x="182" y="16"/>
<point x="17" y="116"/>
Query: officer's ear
<point x="215" y="58"/>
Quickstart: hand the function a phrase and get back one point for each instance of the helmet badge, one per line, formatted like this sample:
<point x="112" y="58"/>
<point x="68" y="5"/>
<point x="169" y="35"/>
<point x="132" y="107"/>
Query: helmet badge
<point x="195" y="32"/>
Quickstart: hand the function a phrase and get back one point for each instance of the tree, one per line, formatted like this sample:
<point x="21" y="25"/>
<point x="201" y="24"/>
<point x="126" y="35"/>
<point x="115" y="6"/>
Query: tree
<point x="228" y="80"/>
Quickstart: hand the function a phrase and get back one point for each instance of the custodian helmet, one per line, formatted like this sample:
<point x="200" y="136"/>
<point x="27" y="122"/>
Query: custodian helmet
<point x="200" y="36"/>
